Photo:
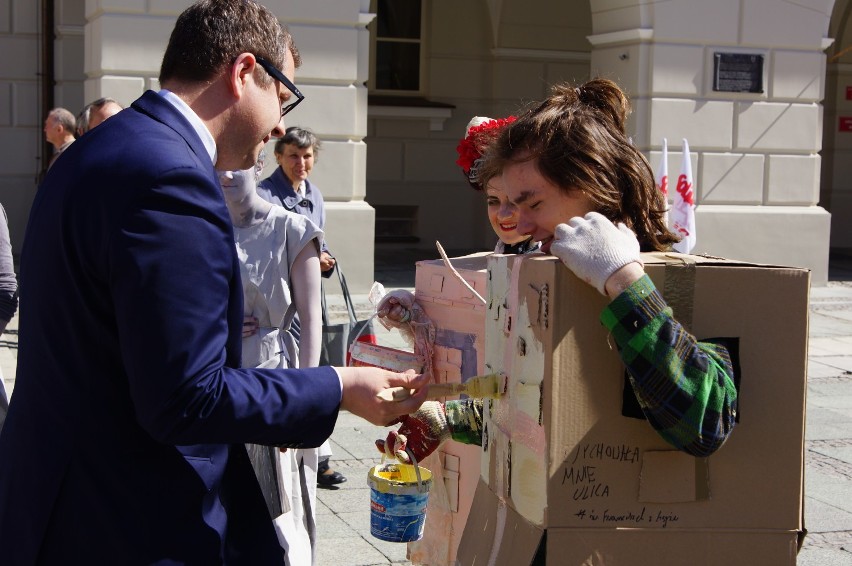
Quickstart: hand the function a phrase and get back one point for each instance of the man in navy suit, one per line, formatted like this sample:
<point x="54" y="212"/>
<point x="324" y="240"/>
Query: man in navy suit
<point x="124" y="442"/>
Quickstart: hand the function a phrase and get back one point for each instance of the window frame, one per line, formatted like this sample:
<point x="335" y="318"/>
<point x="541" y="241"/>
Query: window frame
<point x="422" y="41"/>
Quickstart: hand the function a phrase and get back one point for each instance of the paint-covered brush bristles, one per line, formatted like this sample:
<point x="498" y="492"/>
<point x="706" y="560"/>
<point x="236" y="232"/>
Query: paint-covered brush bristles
<point x="482" y="386"/>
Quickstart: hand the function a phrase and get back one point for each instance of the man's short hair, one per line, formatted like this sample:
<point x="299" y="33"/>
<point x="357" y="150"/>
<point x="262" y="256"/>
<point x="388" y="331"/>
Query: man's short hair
<point x="64" y="118"/>
<point x="86" y="112"/>
<point x="210" y="34"/>
<point x="101" y="102"/>
<point x="83" y="119"/>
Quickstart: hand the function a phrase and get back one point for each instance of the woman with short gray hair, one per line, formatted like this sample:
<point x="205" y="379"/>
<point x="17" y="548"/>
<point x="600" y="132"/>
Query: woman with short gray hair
<point x="289" y="186"/>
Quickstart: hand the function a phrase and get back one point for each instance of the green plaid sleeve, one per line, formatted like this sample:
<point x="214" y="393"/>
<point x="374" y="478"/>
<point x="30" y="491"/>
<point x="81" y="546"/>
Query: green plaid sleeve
<point x="685" y="387"/>
<point x="464" y="416"/>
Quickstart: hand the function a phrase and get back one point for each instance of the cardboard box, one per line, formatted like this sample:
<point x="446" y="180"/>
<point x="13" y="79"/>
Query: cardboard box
<point x="562" y="459"/>
<point x="459" y="354"/>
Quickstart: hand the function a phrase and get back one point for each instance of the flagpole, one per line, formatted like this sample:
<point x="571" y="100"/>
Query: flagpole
<point x="662" y="180"/>
<point x="683" y="211"/>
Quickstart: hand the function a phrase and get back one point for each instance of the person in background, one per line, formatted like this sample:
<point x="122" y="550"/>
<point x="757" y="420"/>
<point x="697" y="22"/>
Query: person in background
<point x="395" y="309"/>
<point x="8" y="297"/>
<point x="288" y="186"/>
<point x="279" y="268"/>
<point x="59" y="132"/>
<point x="588" y="195"/>
<point x="125" y="437"/>
<point x="96" y="112"/>
<point x="479" y="134"/>
<point x="81" y="124"/>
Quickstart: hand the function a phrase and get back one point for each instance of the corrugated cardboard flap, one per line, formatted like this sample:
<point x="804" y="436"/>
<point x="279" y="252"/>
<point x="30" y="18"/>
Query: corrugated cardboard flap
<point x="497" y="535"/>
<point x="651" y="258"/>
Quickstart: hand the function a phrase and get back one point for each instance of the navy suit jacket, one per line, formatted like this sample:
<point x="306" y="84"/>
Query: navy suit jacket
<point x="124" y="442"/>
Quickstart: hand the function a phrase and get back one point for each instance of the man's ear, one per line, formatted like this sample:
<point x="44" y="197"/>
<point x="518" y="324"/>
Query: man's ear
<point x="240" y="70"/>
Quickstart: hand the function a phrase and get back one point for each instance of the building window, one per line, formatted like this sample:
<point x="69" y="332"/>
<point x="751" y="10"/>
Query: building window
<point x="396" y="223"/>
<point x="397" y="47"/>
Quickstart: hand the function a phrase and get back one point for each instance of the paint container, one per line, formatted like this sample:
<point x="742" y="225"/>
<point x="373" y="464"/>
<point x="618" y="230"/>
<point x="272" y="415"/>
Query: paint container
<point x="398" y="496"/>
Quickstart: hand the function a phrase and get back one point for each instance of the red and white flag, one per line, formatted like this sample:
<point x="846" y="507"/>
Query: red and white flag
<point x="662" y="179"/>
<point x="683" y="211"/>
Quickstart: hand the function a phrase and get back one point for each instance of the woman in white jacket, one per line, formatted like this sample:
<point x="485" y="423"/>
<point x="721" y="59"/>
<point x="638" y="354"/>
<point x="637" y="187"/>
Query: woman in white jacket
<point x="280" y="270"/>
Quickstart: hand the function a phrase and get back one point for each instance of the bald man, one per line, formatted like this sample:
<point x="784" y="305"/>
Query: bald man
<point x="59" y="131"/>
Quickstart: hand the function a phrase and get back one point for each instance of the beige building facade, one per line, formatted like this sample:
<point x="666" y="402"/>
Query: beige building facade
<point x="762" y="89"/>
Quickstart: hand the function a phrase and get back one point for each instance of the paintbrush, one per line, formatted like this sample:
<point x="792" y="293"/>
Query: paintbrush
<point x="490" y="386"/>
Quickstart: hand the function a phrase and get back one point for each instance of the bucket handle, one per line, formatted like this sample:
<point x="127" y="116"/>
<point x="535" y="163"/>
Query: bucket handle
<point x="421" y="485"/>
<point x="363" y="327"/>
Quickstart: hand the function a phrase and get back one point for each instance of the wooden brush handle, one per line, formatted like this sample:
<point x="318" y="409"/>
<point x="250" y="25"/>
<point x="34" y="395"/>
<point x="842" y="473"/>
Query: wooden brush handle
<point x="434" y="391"/>
<point x="438" y="390"/>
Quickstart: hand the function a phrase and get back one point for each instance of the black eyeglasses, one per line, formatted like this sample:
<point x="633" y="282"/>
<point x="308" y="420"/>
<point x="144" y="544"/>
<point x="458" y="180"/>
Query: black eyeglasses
<point x="279" y="76"/>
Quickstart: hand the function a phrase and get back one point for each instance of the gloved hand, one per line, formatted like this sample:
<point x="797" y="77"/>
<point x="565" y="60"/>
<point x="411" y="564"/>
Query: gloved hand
<point x="594" y="248"/>
<point x="421" y="433"/>
<point x="396" y="306"/>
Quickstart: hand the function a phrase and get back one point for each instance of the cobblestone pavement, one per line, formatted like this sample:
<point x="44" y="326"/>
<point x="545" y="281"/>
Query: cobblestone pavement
<point x="828" y="436"/>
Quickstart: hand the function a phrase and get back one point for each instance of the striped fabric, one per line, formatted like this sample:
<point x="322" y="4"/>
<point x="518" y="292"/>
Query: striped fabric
<point x="685" y="387"/>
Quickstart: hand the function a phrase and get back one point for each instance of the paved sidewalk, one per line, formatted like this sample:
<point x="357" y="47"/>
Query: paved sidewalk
<point x="343" y="515"/>
<point x="828" y="435"/>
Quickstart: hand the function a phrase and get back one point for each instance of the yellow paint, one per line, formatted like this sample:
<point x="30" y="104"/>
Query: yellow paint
<point x="529" y="485"/>
<point x="388" y="477"/>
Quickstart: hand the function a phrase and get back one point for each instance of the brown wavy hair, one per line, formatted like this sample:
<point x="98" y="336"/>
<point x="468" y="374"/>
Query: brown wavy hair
<point x="577" y="138"/>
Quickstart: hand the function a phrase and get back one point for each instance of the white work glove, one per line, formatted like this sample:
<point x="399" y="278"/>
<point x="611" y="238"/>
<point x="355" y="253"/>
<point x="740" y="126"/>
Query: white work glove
<point x="594" y="248"/>
<point x="396" y="306"/>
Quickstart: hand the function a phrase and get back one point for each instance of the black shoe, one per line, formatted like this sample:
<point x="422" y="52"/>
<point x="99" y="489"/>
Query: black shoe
<point x="327" y="477"/>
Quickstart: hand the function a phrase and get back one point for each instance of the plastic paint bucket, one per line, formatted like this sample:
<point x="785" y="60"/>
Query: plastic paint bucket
<point x="398" y="496"/>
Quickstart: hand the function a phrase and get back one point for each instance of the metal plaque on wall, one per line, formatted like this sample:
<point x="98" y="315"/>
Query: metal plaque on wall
<point x="738" y="72"/>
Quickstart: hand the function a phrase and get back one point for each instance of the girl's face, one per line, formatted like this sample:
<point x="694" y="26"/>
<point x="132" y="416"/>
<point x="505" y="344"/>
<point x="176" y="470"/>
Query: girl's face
<point x="237" y="185"/>
<point x="540" y="204"/>
<point x="502" y="214"/>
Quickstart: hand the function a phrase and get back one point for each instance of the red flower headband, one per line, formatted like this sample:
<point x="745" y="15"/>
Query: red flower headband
<point x="477" y="139"/>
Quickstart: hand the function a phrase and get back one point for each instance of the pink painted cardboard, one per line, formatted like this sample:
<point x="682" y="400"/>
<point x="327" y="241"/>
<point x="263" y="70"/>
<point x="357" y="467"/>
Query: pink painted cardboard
<point x="459" y="353"/>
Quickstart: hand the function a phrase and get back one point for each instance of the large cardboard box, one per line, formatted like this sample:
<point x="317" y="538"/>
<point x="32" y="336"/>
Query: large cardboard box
<point x="565" y="469"/>
<point x="458" y="354"/>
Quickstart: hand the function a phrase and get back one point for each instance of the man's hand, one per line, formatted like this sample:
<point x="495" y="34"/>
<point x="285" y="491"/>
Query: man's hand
<point x="361" y="388"/>
<point x="594" y="248"/>
<point x="421" y="433"/>
<point x="326" y="261"/>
